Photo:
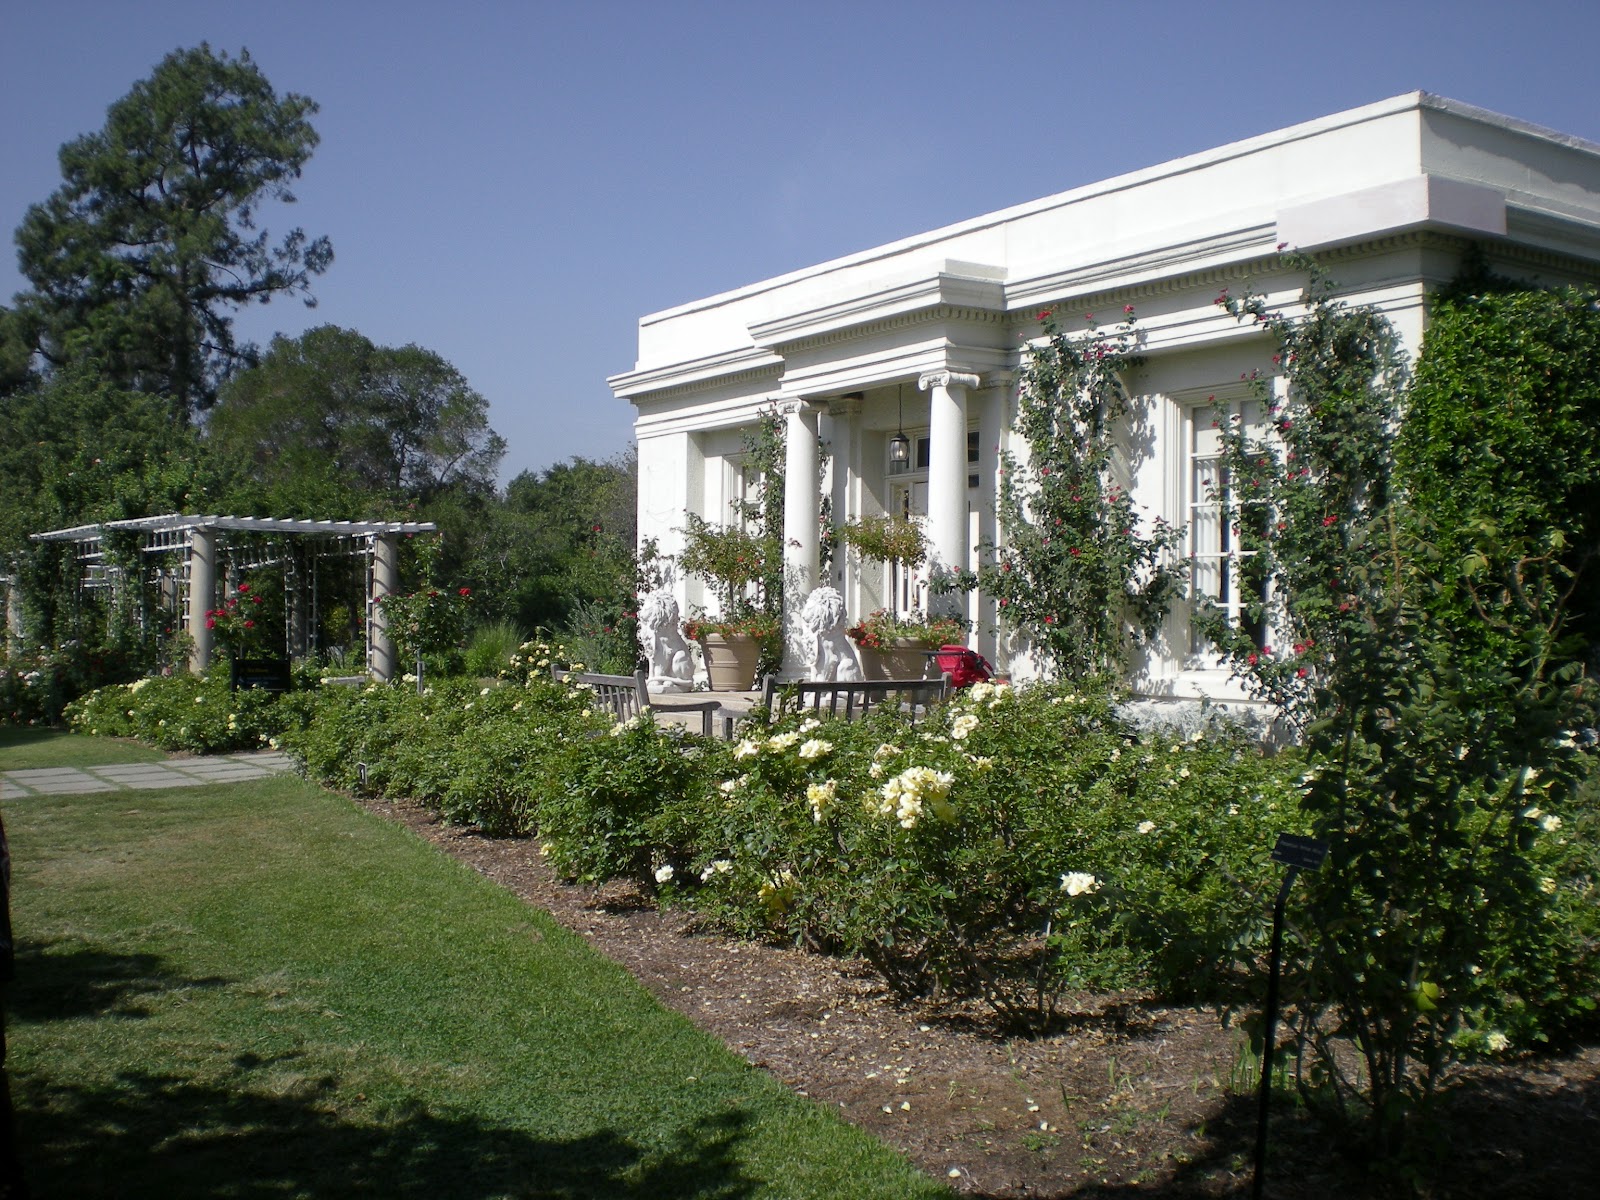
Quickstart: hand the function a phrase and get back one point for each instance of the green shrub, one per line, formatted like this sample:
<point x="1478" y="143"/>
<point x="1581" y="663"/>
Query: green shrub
<point x="609" y="807"/>
<point x="198" y="714"/>
<point x="1424" y="647"/>
<point x="36" y="688"/>
<point x="1012" y="847"/>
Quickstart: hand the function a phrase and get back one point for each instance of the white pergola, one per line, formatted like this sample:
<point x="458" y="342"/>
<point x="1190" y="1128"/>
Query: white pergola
<point x="191" y="546"/>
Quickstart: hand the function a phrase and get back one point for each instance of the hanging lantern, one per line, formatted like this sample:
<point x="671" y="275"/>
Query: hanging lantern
<point x="900" y="444"/>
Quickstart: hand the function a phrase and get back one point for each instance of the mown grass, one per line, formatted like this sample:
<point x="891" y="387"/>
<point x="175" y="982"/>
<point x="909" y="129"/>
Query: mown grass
<point x="260" y="990"/>
<point x="25" y="747"/>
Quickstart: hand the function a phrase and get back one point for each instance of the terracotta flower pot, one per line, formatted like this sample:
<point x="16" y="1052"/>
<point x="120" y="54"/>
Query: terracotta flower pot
<point x="731" y="661"/>
<point x="903" y="658"/>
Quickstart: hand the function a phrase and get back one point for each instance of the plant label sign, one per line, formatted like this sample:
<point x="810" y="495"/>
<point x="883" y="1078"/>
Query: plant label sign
<point x="1293" y="850"/>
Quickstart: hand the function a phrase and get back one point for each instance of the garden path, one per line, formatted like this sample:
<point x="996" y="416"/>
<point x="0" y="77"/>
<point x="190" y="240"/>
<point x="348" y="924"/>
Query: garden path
<point x="143" y="776"/>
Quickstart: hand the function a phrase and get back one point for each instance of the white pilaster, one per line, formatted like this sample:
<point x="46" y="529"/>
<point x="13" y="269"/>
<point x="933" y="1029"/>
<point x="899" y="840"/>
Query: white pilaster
<point x="844" y="476"/>
<point x="994" y="405"/>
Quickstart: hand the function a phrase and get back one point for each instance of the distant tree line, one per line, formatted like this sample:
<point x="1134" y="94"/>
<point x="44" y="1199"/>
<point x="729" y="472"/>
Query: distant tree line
<point x="124" y="391"/>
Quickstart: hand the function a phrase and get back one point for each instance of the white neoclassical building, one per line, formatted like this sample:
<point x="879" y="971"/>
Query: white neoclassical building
<point x="925" y="335"/>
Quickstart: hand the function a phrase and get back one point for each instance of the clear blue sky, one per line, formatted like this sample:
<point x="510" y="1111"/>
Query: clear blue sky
<point x="514" y="184"/>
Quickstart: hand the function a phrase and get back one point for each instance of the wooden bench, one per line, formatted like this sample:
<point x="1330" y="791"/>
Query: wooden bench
<point x="627" y="696"/>
<point x="852" y="701"/>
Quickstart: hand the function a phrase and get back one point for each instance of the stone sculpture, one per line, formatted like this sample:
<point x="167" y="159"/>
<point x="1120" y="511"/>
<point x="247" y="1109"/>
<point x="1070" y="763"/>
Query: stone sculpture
<point x="671" y="661"/>
<point x="833" y="658"/>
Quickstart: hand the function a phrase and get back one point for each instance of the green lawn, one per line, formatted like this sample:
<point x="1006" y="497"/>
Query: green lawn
<point x="24" y="747"/>
<point x="259" y="990"/>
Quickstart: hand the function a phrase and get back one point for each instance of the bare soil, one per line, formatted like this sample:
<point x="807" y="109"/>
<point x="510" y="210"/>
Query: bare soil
<point x="1125" y="1098"/>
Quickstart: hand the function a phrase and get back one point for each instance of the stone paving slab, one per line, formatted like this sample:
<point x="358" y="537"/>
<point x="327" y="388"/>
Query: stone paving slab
<point x="151" y="785"/>
<point x="44" y="775"/>
<point x="69" y="782"/>
<point x="144" y="776"/>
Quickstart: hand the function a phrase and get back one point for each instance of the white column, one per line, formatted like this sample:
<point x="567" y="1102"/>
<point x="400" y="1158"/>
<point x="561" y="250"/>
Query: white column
<point x="947" y="467"/>
<point x="202" y="595"/>
<point x="801" y="525"/>
<point x="385" y="582"/>
<point x="801" y="528"/>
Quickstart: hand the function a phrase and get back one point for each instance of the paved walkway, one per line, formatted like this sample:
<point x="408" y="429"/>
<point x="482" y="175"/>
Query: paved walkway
<point x="143" y="776"/>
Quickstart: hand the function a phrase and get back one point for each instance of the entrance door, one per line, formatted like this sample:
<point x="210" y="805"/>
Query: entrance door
<point x="907" y="588"/>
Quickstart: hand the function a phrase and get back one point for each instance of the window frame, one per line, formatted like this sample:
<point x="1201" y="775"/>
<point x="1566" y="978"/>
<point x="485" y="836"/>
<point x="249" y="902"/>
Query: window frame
<point x="1199" y="511"/>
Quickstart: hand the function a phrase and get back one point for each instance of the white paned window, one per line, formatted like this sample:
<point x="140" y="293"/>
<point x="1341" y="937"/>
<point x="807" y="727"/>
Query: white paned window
<point x="908" y="589"/>
<point x="1215" y="552"/>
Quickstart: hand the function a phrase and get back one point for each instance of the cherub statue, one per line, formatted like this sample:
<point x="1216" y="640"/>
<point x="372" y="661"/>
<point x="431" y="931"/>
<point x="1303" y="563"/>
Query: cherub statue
<point x="832" y="656"/>
<point x="671" y="661"/>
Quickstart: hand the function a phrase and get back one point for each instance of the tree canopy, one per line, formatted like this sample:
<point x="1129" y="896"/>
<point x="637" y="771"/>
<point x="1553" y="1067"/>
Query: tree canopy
<point x="151" y="244"/>
<point x="399" y="422"/>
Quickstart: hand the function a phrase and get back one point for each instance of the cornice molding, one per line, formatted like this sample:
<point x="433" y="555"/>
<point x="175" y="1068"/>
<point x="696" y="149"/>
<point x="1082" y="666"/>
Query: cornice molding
<point x="1145" y="267"/>
<point x="942" y="314"/>
<point x="980" y="293"/>
<point x="764" y="365"/>
<point x="731" y="368"/>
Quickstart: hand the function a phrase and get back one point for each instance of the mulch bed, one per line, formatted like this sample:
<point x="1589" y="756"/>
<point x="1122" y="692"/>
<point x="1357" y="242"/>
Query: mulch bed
<point x="1124" y="1098"/>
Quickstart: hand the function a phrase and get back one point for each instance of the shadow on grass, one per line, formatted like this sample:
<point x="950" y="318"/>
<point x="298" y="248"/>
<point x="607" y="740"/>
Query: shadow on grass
<point x="249" y="1135"/>
<point x="151" y="1137"/>
<point x="27" y="735"/>
<point x="54" y="985"/>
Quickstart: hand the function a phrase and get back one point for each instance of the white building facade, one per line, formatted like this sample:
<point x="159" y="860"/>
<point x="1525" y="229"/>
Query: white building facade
<point x="927" y="336"/>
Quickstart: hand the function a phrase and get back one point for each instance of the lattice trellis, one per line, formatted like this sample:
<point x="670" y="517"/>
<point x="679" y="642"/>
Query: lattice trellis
<point x="298" y="548"/>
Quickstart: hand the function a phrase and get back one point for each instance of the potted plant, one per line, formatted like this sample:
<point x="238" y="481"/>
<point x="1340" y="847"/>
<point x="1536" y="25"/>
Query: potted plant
<point x="885" y="539"/>
<point x="896" y="647"/>
<point x="736" y="648"/>
<point x="742" y="566"/>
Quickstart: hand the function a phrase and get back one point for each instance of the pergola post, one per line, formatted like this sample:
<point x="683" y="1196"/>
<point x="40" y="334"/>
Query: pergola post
<point x="14" y="626"/>
<point x="202" y="594"/>
<point x="295" y="589"/>
<point x="385" y="581"/>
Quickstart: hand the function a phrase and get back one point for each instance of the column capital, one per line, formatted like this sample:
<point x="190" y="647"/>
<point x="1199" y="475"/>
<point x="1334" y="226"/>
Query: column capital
<point x="945" y="379"/>
<point x="798" y="407"/>
<point x="846" y="405"/>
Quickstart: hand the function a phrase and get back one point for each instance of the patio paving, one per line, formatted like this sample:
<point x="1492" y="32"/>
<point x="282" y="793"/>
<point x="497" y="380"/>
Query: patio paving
<point x="143" y="776"/>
